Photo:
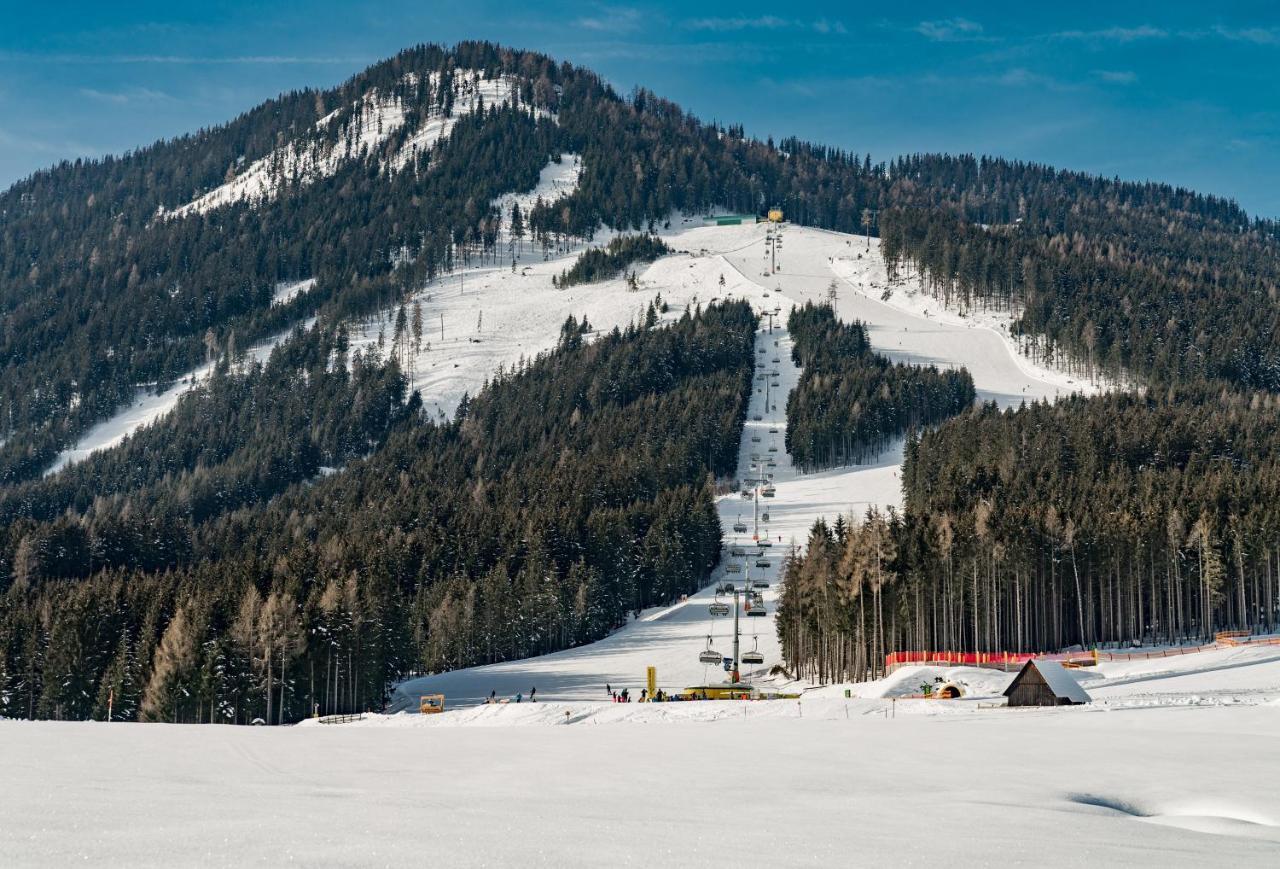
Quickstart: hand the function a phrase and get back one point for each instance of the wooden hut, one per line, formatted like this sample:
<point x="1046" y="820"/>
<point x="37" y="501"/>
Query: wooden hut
<point x="1044" y="683"/>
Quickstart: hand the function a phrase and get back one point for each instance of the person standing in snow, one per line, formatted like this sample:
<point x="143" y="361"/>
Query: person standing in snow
<point x="519" y="696"/>
<point x="608" y="689"/>
<point x="532" y="692"/>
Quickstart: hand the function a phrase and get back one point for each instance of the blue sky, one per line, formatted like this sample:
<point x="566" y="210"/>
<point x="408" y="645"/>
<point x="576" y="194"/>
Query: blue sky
<point x="1187" y="93"/>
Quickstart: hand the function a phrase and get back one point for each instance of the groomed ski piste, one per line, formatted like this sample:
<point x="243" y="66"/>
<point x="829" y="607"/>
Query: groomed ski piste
<point x="1173" y="763"/>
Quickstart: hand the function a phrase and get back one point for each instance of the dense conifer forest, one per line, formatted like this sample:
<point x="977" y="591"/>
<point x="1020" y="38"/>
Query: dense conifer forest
<point x="1090" y="521"/>
<point x="851" y="403"/>
<point x="565" y="496"/>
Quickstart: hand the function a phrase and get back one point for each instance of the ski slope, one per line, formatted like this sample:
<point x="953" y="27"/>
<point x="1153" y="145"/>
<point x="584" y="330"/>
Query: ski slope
<point x="670" y="639"/>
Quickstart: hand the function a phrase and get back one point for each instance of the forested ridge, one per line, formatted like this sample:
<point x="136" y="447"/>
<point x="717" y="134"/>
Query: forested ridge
<point x="850" y="402"/>
<point x="188" y="569"/>
<point x="565" y="496"/>
<point x="98" y="294"/>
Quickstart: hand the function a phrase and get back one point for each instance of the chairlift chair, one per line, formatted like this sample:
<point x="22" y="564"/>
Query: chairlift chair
<point x="739" y="527"/>
<point x="719" y="608"/>
<point x="757" y="610"/>
<point x="762" y="562"/>
<point x="733" y="567"/>
<point x="764" y="517"/>
<point x="760" y="583"/>
<point x="753" y="656"/>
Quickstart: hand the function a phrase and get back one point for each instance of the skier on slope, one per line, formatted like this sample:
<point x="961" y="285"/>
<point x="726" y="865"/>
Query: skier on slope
<point x="533" y="691"/>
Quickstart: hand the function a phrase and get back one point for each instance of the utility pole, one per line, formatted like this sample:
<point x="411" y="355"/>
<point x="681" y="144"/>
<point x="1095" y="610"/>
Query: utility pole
<point x="869" y="216"/>
<point x="736" y="677"/>
<point x="441" y="326"/>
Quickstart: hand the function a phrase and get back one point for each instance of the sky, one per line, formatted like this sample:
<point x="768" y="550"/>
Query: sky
<point x="1186" y="93"/>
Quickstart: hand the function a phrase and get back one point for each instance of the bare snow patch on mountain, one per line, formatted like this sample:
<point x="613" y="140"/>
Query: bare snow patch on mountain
<point x="286" y="291"/>
<point x="374" y="117"/>
<point x="861" y="267"/>
<point x="557" y="180"/>
<point x="148" y="407"/>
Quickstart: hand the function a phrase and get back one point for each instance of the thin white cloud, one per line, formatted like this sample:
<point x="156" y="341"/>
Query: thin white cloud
<point x="1113" y="34"/>
<point x="1256" y="35"/>
<point x="951" y="30"/>
<point x="765" y="22"/>
<point x="130" y="95"/>
<point x="611" y="19"/>
<point x="1116" y="76"/>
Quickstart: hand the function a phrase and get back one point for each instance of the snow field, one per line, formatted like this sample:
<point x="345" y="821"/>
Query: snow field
<point x="1166" y="787"/>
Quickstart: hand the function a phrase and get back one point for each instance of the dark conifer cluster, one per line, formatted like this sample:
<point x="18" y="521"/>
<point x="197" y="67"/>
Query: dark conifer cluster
<point x="851" y="403"/>
<point x="603" y="263"/>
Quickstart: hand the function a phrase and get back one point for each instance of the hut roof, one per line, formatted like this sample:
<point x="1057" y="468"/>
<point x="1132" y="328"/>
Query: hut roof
<point x="1060" y="682"/>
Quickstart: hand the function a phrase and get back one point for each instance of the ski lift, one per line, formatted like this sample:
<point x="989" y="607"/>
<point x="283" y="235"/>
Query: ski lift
<point x="764" y="543"/>
<point x="760" y="583"/>
<point x="740" y="527"/>
<point x="753" y="656"/>
<point x="757" y="599"/>
<point x="746" y="494"/>
<point x="764" y="517"/>
<point x="755" y="439"/>
<point x="724" y="588"/>
<point x="775" y="360"/>
<point x="758" y="418"/>
<point x="733" y="567"/>
<point x="762" y="562"/>
<point x="773" y="449"/>
<point x="719" y="608"/>
<point x="710" y="655"/>
<point x="769" y="492"/>
<point x="737" y="551"/>
<point x="757" y="610"/>
<point x="773" y="430"/>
